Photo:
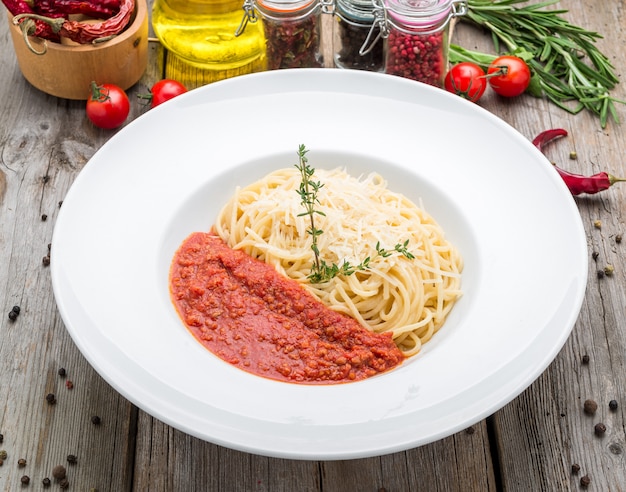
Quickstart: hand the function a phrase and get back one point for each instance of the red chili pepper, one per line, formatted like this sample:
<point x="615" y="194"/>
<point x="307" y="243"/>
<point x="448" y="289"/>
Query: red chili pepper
<point x="548" y="136"/>
<point x="84" y="32"/>
<point x="98" y="9"/>
<point x="17" y="6"/>
<point x="30" y="28"/>
<point x="577" y="183"/>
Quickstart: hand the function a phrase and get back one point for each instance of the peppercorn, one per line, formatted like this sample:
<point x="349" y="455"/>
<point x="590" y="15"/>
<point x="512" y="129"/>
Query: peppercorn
<point x="44" y="217"/>
<point x="595" y="255"/>
<point x="600" y="273"/>
<point x="62" y="372"/>
<point x="25" y="480"/>
<point x="612" y="405"/>
<point x="45" y="261"/>
<point x="573" y="155"/>
<point x="352" y="36"/>
<point x="64" y="483"/>
<point x="59" y="472"/>
<point x="590" y="407"/>
<point x="69" y="385"/>
<point x="469" y="430"/>
<point x="1" y="438"/>
<point x="46" y="482"/>
<point x="95" y="420"/>
<point x="585" y="359"/>
<point x="51" y="399"/>
<point x="575" y="468"/>
<point x="618" y="238"/>
<point x="609" y="270"/>
<point x="585" y="481"/>
<point x="597" y="224"/>
<point x="14" y="313"/>
<point x="21" y="462"/>
<point x="3" y="455"/>
<point x="72" y="459"/>
<point x="599" y="429"/>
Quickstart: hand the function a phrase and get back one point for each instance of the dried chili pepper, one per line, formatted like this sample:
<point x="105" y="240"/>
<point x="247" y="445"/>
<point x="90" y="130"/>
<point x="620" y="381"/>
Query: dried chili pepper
<point x="98" y="9"/>
<point x="577" y="183"/>
<point x="84" y="32"/>
<point x="17" y="6"/>
<point x="30" y="27"/>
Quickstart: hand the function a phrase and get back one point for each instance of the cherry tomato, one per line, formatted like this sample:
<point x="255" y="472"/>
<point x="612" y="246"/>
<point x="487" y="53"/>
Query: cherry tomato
<point x="107" y="106"/>
<point x="466" y="79"/>
<point x="164" y="90"/>
<point x="508" y="75"/>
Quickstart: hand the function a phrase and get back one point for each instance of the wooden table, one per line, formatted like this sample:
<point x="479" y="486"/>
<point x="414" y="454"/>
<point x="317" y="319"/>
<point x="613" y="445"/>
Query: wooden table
<point x="529" y="445"/>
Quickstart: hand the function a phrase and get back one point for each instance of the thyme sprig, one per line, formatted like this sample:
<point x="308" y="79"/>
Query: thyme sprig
<point x="320" y="270"/>
<point x="567" y="65"/>
<point x="308" y="196"/>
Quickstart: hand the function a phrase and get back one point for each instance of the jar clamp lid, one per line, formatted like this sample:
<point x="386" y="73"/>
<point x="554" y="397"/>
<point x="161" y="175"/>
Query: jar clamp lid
<point x="293" y="8"/>
<point x="361" y="11"/>
<point x="277" y="9"/>
<point x="425" y="16"/>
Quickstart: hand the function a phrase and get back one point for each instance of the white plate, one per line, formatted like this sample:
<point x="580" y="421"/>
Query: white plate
<point x="167" y="173"/>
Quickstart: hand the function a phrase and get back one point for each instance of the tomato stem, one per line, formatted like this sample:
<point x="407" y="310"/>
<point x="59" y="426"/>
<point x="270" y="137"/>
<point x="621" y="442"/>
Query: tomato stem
<point x="98" y="93"/>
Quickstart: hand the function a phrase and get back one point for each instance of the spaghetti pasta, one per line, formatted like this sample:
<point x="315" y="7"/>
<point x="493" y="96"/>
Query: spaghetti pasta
<point x="409" y="297"/>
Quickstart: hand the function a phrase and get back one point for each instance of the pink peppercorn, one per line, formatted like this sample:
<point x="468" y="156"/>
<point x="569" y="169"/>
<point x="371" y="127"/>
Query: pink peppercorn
<point x="417" y="57"/>
<point x="417" y="40"/>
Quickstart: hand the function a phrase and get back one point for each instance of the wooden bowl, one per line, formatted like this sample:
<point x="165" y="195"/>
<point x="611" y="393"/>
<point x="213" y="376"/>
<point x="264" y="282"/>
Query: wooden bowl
<point x="66" y="70"/>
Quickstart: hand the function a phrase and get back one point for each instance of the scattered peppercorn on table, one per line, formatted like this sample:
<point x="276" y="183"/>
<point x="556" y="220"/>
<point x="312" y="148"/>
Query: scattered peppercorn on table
<point x="63" y="426"/>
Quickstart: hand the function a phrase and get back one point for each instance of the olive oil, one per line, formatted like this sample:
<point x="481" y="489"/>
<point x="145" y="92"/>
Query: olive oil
<point x="202" y="33"/>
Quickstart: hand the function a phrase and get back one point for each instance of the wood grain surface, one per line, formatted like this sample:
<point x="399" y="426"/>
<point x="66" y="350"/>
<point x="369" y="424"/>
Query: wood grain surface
<point x="529" y="445"/>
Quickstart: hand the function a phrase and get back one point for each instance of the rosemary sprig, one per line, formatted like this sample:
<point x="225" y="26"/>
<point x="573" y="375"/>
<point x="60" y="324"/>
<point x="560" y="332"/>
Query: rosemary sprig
<point x="320" y="270"/>
<point x="567" y="65"/>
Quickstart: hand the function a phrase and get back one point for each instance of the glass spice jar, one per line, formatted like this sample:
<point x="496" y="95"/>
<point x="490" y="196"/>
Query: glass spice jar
<point x="202" y="33"/>
<point x="417" y="39"/>
<point x="292" y="32"/>
<point x="353" y="31"/>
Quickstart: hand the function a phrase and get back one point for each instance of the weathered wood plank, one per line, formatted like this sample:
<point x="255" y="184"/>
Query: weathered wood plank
<point x="545" y="431"/>
<point x="44" y="143"/>
<point x="458" y="463"/>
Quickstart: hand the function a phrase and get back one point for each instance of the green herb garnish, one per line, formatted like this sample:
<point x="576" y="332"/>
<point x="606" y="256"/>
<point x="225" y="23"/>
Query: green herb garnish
<point x="320" y="270"/>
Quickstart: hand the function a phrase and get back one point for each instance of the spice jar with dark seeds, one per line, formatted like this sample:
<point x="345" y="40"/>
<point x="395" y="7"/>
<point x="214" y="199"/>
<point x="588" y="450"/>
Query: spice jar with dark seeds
<point x="292" y="32"/>
<point x="417" y="43"/>
<point x="357" y="36"/>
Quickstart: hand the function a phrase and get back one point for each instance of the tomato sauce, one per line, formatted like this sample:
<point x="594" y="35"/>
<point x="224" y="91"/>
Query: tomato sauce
<point x="249" y="315"/>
